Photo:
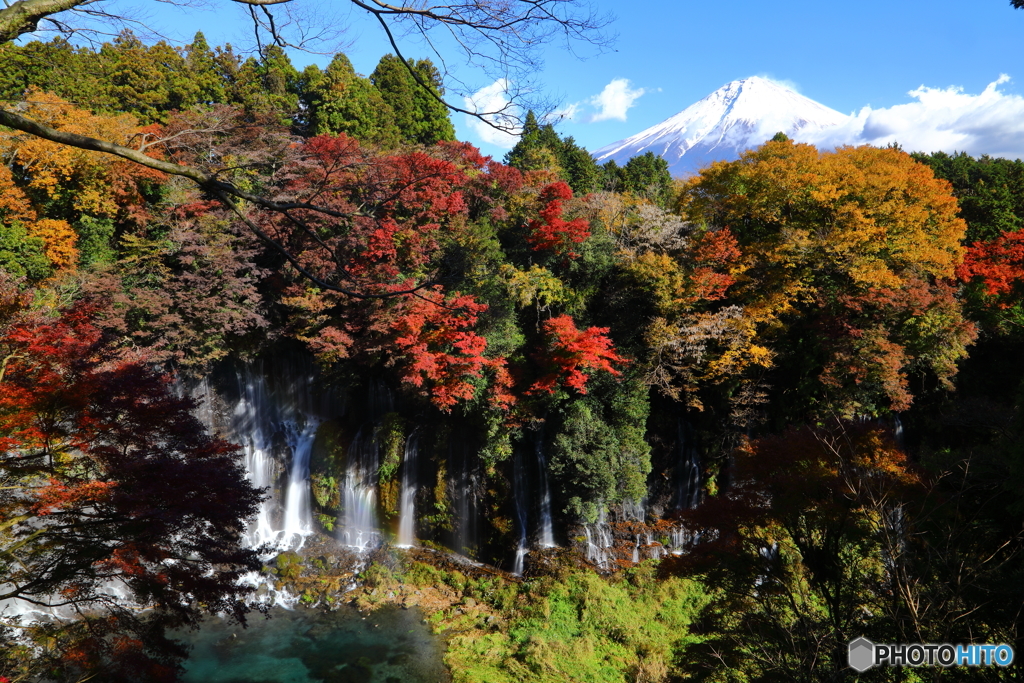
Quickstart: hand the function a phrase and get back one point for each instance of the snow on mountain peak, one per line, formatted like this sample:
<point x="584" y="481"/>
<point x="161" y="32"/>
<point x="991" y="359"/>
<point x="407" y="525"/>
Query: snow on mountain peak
<point x="739" y="115"/>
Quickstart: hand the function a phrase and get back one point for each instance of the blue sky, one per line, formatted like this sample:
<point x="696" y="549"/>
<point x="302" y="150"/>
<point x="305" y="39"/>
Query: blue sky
<point x="669" y="54"/>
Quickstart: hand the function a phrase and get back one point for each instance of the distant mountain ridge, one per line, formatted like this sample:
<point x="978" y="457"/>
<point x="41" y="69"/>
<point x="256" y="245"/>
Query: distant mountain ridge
<point x="739" y="115"/>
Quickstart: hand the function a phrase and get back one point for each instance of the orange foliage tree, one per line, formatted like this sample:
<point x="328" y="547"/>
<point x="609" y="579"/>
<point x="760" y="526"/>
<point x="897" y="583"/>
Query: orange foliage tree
<point x="71" y="180"/>
<point x="846" y="256"/>
<point x="55" y="237"/>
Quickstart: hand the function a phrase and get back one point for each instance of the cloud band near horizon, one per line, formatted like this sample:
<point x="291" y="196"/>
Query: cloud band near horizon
<point x="941" y="119"/>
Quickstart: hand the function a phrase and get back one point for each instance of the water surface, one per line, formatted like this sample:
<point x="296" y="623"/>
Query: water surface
<point x="392" y="645"/>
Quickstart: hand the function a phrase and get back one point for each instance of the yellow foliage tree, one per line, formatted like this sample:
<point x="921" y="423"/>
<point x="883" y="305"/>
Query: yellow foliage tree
<point x="844" y="268"/>
<point x="14" y="205"/>
<point x="79" y="178"/>
<point x="60" y="239"/>
<point x="871" y="217"/>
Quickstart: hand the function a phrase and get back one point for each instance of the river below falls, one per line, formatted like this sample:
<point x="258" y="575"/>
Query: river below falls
<point x="391" y="645"/>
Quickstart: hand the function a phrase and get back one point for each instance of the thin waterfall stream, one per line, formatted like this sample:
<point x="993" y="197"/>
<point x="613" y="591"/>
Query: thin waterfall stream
<point x="407" y="499"/>
<point x="359" y="494"/>
<point x="520" y="498"/>
<point x="298" y="521"/>
<point x="547" y="533"/>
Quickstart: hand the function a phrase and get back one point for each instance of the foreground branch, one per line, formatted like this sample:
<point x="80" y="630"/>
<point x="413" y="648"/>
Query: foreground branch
<point x="209" y="182"/>
<point x="24" y="16"/>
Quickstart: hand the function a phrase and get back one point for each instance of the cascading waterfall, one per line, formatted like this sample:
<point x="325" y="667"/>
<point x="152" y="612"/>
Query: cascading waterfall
<point x="359" y="495"/>
<point x="547" y="534"/>
<point x="360" y="529"/>
<point x="688" y="476"/>
<point x="520" y="497"/>
<point x="464" y="497"/>
<point x="897" y="432"/>
<point x="273" y="414"/>
<point x="260" y="418"/>
<point x="679" y="540"/>
<point x="274" y="419"/>
<point x="407" y="500"/>
<point x="249" y="422"/>
<point x="634" y="510"/>
<point x="298" y="521"/>
<point x="599" y="540"/>
<point x="657" y="550"/>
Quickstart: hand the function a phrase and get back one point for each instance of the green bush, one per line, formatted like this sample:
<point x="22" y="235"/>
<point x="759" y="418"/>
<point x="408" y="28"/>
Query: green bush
<point x="583" y="627"/>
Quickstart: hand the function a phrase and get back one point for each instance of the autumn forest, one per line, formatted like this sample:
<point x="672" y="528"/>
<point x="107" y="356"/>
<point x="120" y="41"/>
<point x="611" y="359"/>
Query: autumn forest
<point x="705" y="429"/>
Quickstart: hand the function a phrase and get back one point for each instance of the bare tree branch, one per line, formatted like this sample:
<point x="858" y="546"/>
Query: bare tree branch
<point x="499" y="37"/>
<point x="24" y="16"/>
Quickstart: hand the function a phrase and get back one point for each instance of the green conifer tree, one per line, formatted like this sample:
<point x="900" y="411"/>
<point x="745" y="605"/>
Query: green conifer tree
<point x="421" y="116"/>
<point x="147" y="81"/>
<point x="578" y="167"/>
<point x="269" y="85"/>
<point x="527" y="154"/>
<point x="647" y="175"/>
<point x="540" y="147"/>
<point x="342" y="101"/>
<point x="203" y="72"/>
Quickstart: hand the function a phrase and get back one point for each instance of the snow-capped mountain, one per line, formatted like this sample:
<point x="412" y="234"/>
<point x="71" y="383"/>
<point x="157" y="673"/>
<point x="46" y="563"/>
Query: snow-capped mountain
<point x="734" y="118"/>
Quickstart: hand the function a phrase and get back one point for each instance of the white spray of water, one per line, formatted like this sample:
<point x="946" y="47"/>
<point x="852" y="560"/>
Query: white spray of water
<point x="547" y="534"/>
<point x="407" y="500"/>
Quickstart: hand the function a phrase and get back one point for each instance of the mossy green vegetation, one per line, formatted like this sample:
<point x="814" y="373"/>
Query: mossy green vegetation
<point x="573" y="625"/>
<point x="584" y="627"/>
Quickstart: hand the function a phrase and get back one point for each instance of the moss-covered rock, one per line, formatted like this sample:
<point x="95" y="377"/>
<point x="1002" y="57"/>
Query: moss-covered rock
<point x="391" y="441"/>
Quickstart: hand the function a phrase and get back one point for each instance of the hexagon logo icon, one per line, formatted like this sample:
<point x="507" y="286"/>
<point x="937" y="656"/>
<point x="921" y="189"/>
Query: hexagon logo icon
<point x="862" y="654"/>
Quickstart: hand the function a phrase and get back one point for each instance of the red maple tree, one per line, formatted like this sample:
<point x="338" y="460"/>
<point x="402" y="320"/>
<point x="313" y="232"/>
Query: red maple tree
<point x="114" y="499"/>
<point x="441" y="354"/>
<point x="552" y="232"/>
<point x="572" y="353"/>
<point x="998" y="265"/>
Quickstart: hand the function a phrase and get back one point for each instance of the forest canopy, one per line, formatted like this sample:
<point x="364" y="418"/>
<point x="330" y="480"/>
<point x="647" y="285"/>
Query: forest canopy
<point x="826" y="343"/>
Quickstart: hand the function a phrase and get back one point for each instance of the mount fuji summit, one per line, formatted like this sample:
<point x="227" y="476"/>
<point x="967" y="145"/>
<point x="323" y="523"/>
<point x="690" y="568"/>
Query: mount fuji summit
<point x="736" y="117"/>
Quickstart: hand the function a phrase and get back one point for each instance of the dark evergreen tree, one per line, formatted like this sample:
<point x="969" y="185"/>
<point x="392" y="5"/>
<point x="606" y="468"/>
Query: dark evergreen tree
<point x="269" y="85"/>
<point x="421" y="116"/>
<point x="55" y="66"/>
<point x="579" y="168"/>
<point x="610" y="178"/>
<point x="647" y="175"/>
<point x="202" y="68"/>
<point x="342" y="101"/>
<point x="990" y="191"/>
<point x="537" y="147"/>
<point x="540" y="147"/>
<point x="148" y="81"/>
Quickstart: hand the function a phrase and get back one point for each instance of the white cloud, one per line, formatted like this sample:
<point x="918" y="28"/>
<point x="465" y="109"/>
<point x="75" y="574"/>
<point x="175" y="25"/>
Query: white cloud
<point x="493" y="102"/>
<point x="614" y="100"/>
<point x="784" y="82"/>
<point x="941" y="119"/>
